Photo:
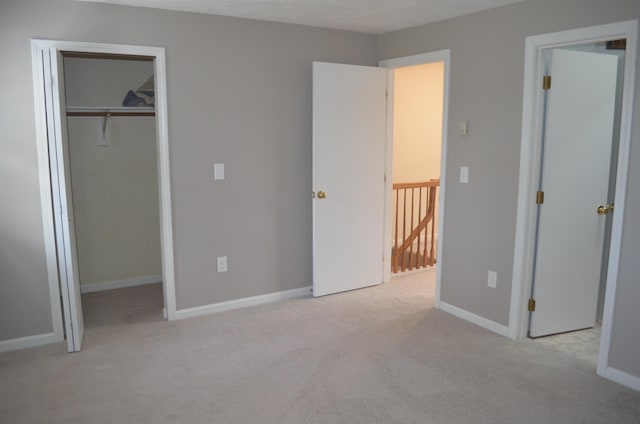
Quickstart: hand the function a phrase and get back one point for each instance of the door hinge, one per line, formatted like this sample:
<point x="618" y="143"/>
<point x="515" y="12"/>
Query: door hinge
<point x="546" y="82"/>
<point x="531" y="306"/>
<point x="539" y="197"/>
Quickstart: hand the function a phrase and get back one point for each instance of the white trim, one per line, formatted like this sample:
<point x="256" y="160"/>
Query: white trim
<point x="119" y="284"/>
<point x="29" y="341"/>
<point x="388" y="183"/>
<point x="620" y="377"/>
<point x="529" y="155"/>
<point x="421" y="59"/>
<point x="243" y="303"/>
<point x="166" y="231"/>
<point x="487" y="324"/>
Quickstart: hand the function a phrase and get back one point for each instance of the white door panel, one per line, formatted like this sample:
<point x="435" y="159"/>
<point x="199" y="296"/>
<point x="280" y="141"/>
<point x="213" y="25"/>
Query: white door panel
<point x="63" y="203"/>
<point x="575" y="178"/>
<point x="349" y="130"/>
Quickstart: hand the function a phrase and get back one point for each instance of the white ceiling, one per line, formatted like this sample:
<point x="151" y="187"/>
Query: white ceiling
<point x="370" y="16"/>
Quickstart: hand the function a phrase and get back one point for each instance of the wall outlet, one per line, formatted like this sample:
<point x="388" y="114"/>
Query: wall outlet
<point x="222" y="264"/>
<point x="218" y="171"/>
<point x="493" y="279"/>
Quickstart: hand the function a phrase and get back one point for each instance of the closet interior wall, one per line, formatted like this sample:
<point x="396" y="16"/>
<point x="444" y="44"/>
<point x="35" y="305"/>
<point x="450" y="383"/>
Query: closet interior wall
<point x="113" y="174"/>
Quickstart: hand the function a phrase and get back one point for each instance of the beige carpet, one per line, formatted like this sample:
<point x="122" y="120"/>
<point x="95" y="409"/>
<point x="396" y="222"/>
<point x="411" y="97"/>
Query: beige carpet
<point x="130" y="305"/>
<point x="377" y="355"/>
<point x="583" y="344"/>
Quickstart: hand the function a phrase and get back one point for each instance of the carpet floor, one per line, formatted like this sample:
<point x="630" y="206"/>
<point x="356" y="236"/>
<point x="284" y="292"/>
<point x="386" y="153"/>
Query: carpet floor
<point x="131" y="305"/>
<point x="376" y="355"/>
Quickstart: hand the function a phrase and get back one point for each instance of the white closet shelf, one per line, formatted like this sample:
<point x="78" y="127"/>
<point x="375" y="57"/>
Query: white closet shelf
<point x="110" y="111"/>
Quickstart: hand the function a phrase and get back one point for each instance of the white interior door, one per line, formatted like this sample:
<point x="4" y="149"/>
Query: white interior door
<point x="62" y="200"/>
<point x="575" y="178"/>
<point x="349" y="124"/>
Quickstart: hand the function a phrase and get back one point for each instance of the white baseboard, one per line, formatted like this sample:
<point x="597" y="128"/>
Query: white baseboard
<point x="476" y="319"/>
<point x="118" y="284"/>
<point x="242" y="303"/>
<point x="29" y="341"/>
<point x="621" y="377"/>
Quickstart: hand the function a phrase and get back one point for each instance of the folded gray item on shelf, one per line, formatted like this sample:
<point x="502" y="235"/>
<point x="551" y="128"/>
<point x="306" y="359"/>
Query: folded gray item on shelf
<point x="144" y="96"/>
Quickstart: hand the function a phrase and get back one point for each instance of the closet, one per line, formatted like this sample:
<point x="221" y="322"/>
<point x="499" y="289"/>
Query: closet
<point x="113" y="170"/>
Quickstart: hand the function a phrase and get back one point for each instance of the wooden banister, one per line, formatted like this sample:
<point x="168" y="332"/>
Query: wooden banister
<point x="417" y="230"/>
<point x="423" y="255"/>
<point x="423" y="184"/>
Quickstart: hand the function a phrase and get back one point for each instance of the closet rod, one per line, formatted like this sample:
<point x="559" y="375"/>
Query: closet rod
<point x="85" y="55"/>
<point x="106" y="113"/>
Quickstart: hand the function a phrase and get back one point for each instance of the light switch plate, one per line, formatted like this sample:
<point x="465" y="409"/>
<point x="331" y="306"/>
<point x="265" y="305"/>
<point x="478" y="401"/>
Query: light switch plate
<point x="492" y="279"/>
<point x="463" y="128"/>
<point x="464" y="174"/>
<point x="218" y="171"/>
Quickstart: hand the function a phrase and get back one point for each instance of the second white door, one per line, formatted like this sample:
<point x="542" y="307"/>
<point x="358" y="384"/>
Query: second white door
<point x="575" y="180"/>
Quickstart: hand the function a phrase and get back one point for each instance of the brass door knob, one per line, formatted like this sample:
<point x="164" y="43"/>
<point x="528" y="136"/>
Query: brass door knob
<point x="605" y="209"/>
<point x="322" y="195"/>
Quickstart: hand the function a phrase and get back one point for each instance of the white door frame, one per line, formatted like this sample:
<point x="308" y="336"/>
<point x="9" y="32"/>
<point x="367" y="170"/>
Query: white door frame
<point x="529" y="171"/>
<point x="43" y="48"/>
<point x="401" y="62"/>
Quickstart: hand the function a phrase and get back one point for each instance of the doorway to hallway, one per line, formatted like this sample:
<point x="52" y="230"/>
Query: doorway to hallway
<point x="417" y="141"/>
<point x="416" y="151"/>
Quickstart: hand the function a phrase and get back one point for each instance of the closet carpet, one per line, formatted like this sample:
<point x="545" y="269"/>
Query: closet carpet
<point x="376" y="355"/>
<point x="129" y="305"/>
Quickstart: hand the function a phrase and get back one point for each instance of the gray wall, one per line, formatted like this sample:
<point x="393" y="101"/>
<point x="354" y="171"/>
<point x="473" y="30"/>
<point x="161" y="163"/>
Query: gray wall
<point x="239" y="92"/>
<point x="487" y="66"/>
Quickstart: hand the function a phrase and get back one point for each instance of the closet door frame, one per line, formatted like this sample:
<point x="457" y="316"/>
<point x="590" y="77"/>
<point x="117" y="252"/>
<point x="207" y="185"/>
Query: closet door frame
<point x="40" y="49"/>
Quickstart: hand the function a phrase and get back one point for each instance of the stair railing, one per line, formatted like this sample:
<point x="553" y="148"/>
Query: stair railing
<point x="414" y="225"/>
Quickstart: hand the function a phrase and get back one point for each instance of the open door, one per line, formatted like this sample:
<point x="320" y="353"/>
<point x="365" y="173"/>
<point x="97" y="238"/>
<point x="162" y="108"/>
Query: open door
<point x="62" y="200"/>
<point x="575" y="179"/>
<point x="349" y="135"/>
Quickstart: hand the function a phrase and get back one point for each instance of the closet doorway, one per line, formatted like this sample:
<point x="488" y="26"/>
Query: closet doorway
<point x="112" y="158"/>
<point x="103" y="145"/>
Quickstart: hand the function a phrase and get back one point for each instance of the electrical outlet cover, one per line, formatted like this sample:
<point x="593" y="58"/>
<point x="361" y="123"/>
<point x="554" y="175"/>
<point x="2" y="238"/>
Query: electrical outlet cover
<point x="222" y="264"/>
